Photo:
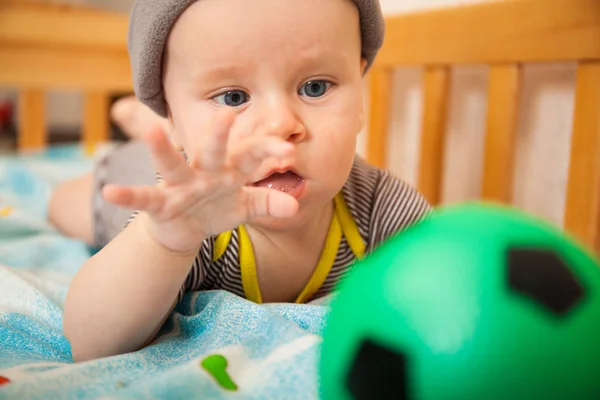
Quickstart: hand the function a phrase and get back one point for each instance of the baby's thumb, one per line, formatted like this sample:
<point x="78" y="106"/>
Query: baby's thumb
<point x="269" y="202"/>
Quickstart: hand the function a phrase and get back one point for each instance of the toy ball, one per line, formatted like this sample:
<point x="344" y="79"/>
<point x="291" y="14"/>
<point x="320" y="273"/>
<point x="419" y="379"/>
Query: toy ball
<point x="477" y="302"/>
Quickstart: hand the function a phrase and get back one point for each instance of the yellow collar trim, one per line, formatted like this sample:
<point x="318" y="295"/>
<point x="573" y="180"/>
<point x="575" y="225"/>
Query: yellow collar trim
<point x="342" y="223"/>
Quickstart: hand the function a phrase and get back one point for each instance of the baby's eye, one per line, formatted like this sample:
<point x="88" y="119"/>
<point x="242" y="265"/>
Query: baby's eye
<point x="233" y="98"/>
<point x="314" y="88"/>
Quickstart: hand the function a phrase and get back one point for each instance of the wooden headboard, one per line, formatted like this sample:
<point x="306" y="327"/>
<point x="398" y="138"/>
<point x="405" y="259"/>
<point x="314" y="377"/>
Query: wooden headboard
<point x="44" y="47"/>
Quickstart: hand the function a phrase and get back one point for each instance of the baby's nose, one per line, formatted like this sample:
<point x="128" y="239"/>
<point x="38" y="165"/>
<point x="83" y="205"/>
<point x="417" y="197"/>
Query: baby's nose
<point x="282" y="121"/>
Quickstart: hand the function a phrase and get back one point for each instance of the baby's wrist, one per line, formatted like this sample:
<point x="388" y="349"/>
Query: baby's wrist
<point x="152" y="236"/>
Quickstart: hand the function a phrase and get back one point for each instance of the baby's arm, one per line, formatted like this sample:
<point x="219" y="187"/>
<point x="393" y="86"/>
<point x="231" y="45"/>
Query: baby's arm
<point x="122" y="295"/>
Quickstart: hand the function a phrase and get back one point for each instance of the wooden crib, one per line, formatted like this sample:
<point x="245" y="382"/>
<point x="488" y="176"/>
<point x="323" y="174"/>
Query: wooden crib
<point x="44" y="54"/>
<point x="45" y="46"/>
<point x="503" y="35"/>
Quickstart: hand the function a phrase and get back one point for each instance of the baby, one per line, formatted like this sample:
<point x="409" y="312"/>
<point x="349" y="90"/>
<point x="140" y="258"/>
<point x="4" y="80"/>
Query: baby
<point x="259" y="191"/>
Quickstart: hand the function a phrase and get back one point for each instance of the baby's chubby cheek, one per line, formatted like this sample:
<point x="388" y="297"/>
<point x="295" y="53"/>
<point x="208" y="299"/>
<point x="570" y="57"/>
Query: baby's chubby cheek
<point x="332" y="156"/>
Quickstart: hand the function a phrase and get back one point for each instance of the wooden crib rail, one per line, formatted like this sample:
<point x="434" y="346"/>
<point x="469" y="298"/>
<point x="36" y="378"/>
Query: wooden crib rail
<point x="51" y="46"/>
<point x="503" y="35"/>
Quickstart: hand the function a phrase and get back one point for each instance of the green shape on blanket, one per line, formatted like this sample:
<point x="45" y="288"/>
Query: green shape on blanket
<point x="216" y="366"/>
<point x="478" y="302"/>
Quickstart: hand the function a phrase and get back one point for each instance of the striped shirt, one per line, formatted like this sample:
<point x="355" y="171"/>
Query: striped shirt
<point x="380" y="204"/>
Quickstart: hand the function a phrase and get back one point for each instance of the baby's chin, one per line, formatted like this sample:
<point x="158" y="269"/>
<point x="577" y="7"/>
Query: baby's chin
<point x="304" y="217"/>
<point x="276" y="224"/>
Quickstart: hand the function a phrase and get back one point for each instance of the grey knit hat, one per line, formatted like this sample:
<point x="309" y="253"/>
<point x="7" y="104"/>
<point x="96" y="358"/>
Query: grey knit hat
<point x="151" y="21"/>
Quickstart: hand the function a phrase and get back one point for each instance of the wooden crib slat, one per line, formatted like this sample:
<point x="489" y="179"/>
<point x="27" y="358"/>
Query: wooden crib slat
<point x="65" y="68"/>
<point x="501" y="135"/>
<point x="51" y="24"/>
<point x="95" y="120"/>
<point x="379" y="109"/>
<point x="435" y="94"/>
<point x="31" y="133"/>
<point x="582" y="214"/>
<point x="484" y="33"/>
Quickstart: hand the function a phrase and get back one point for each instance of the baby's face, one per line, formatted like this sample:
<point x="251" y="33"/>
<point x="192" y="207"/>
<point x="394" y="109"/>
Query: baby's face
<point x="290" y="68"/>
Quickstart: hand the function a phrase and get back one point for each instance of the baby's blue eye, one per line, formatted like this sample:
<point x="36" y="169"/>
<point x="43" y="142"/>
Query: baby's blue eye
<point x="233" y="98"/>
<point x="314" y="88"/>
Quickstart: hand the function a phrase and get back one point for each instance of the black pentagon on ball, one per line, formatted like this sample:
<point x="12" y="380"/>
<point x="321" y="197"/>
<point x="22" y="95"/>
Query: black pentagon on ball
<point x="543" y="276"/>
<point x="377" y="372"/>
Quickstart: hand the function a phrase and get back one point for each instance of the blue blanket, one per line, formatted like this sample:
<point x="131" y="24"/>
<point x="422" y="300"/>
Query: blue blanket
<point x="215" y="345"/>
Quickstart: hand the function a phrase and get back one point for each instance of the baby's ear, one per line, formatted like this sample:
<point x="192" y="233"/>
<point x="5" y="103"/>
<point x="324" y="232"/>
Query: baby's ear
<point x="363" y="65"/>
<point x="169" y="115"/>
<point x="171" y="132"/>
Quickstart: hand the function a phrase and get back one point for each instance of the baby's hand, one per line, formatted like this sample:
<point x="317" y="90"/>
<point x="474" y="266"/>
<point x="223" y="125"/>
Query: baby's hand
<point x="207" y="196"/>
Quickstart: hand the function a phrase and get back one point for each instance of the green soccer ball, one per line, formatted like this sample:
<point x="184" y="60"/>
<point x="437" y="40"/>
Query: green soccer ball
<point x="478" y="302"/>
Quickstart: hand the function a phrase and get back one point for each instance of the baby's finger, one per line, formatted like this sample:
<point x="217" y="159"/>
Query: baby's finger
<point x="212" y="151"/>
<point x="169" y="163"/>
<point x="145" y="198"/>
<point x="250" y="154"/>
<point x="268" y="202"/>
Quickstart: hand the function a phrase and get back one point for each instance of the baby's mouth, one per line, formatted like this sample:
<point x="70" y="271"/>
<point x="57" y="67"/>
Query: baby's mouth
<point x="283" y="181"/>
